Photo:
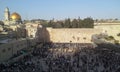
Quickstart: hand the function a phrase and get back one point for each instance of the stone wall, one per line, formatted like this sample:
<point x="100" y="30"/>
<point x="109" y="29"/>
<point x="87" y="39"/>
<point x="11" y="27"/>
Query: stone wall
<point x="110" y="29"/>
<point x="9" y="49"/>
<point x="73" y="35"/>
<point x="5" y="52"/>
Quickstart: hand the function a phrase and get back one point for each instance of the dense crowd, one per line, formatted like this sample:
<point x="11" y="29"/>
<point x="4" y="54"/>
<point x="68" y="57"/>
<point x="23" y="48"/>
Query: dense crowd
<point x="66" y="58"/>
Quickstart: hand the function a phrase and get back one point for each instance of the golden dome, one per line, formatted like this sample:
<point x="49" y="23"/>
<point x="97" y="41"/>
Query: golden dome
<point x="15" y="16"/>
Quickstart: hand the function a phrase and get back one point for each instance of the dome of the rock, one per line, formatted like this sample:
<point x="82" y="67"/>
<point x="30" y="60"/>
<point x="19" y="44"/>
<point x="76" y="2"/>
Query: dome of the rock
<point x="15" y="16"/>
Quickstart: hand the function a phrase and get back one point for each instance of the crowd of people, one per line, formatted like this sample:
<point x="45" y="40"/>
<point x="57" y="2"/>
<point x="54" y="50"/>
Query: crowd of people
<point x="66" y="58"/>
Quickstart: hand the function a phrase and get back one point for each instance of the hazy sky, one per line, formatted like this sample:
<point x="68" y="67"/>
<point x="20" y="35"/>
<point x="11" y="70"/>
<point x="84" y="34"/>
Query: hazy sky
<point x="60" y="9"/>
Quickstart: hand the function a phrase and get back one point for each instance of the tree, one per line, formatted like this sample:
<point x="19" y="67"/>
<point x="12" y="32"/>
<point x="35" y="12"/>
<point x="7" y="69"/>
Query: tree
<point x="44" y="23"/>
<point x="58" y="24"/>
<point x="74" y="23"/>
<point x="67" y="23"/>
<point x="88" y="23"/>
<point x="79" y="23"/>
<point x="50" y="23"/>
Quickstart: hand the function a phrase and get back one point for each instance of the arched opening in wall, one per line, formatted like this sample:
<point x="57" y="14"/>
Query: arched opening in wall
<point x="3" y="50"/>
<point x="9" y="49"/>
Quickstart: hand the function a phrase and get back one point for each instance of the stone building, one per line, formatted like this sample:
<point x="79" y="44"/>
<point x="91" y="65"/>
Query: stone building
<point x="13" y="25"/>
<point x="13" y="18"/>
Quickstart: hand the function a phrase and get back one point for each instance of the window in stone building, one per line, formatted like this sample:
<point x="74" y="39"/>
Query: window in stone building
<point x="31" y="36"/>
<point x="22" y="44"/>
<point x="31" y="25"/>
<point x="18" y="46"/>
<point x="3" y="50"/>
<point x="9" y="49"/>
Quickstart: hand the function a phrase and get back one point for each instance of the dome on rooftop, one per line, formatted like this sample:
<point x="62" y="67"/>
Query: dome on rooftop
<point x="15" y="16"/>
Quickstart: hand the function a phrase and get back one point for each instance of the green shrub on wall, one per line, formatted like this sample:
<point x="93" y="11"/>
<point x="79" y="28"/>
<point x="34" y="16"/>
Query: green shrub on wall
<point x="116" y="42"/>
<point x="109" y="38"/>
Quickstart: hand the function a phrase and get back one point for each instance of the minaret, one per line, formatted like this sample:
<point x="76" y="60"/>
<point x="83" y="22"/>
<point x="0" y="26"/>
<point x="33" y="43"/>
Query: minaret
<point x="7" y="14"/>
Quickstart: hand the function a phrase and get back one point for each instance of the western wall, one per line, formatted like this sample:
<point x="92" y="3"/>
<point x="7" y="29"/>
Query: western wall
<point x="67" y="35"/>
<point x="78" y="35"/>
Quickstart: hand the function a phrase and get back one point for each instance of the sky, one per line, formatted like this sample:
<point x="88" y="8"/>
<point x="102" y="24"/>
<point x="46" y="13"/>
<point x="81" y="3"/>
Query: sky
<point x="61" y="9"/>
